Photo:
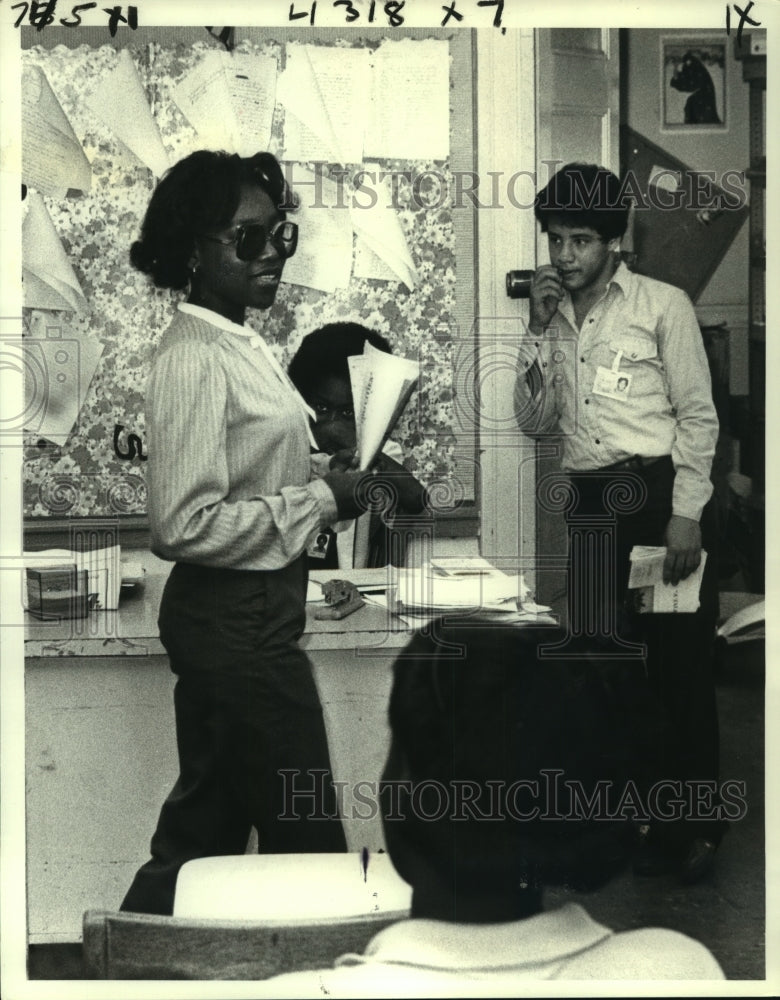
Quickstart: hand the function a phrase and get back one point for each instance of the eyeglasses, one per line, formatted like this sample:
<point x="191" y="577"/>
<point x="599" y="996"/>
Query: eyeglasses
<point x="253" y="237"/>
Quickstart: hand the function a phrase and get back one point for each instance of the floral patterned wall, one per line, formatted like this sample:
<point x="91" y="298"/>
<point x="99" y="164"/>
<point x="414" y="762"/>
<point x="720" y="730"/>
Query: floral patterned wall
<point x="84" y="477"/>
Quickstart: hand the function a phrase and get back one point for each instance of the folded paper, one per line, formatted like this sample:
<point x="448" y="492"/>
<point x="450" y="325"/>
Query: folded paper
<point x="49" y="281"/>
<point x="52" y="158"/>
<point x="381" y="386"/>
<point x="381" y="251"/>
<point x="324" y="90"/>
<point x="120" y="101"/>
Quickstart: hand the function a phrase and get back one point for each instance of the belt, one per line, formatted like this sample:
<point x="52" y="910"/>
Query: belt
<point x="634" y="464"/>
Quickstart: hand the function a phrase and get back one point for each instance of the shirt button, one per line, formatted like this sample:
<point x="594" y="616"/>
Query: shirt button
<point x="544" y="364"/>
<point x="582" y="360"/>
<point x="587" y="401"/>
<point x="598" y="440"/>
<point x="590" y="320"/>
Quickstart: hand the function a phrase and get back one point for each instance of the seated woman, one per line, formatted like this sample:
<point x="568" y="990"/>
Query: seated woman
<point x="320" y="372"/>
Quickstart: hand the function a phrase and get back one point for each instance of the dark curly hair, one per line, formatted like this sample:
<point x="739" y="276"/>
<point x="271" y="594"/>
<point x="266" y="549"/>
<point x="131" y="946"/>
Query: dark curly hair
<point x="479" y="705"/>
<point x="582" y="194"/>
<point x="323" y="353"/>
<point x="199" y="193"/>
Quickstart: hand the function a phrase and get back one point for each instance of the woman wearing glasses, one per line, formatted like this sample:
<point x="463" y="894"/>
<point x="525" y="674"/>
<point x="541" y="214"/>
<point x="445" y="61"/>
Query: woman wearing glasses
<point x="233" y="504"/>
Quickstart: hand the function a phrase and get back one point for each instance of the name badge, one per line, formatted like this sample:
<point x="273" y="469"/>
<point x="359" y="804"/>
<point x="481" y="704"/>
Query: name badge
<point x="613" y="384"/>
<point x="319" y="547"/>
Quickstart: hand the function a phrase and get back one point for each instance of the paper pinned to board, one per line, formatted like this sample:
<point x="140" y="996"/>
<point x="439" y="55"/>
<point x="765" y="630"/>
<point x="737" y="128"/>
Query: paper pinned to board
<point x="52" y="158"/>
<point x="381" y="386"/>
<point x="229" y="99"/>
<point x="410" y="98"/>
<point x="59" y="367"/>
<point x="324" y="90"/>
<point x="323" y="259"/>
<point x="381" y="251"/>
<point x="653" y="596"/>
<point x="48" y="280"/>
<point x="120" y="101"/>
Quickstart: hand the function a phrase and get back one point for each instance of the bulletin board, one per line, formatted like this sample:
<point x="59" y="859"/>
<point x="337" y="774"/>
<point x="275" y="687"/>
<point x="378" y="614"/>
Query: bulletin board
<point x="99" y="470"/>
<point x="686" y="222"/>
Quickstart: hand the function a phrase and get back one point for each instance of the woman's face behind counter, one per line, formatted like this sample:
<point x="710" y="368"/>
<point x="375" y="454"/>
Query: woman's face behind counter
<point x="228" y="285"/>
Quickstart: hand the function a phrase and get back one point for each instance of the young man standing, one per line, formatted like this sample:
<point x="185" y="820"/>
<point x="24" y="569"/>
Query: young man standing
<point x="615" y="364"/>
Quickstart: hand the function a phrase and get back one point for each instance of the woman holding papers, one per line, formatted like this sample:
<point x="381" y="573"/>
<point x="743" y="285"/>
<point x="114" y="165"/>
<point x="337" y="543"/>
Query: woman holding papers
<point x="320" y="371"/>
<point x="233" y="504"/>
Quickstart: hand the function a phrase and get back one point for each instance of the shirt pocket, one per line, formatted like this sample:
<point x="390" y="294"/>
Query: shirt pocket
<point x="635" y="349"/>
<point x="639" y="358"/>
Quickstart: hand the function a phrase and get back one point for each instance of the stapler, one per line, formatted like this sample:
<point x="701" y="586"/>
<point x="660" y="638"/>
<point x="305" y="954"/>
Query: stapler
<point x="341" y="599"/>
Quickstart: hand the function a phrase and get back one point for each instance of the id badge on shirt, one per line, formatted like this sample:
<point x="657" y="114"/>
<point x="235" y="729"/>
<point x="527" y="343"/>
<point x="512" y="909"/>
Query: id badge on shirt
<point x="319" y="547"/>
<point x="612" y="382"/>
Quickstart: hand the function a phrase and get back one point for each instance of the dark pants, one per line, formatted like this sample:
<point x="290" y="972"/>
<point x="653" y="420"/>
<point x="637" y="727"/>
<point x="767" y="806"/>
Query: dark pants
<point x="246" y="708"/>
<point x="634" y="508"/>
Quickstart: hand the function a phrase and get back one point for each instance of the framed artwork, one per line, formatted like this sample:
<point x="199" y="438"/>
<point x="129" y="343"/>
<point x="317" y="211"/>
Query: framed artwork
<point x="693" y="83"/>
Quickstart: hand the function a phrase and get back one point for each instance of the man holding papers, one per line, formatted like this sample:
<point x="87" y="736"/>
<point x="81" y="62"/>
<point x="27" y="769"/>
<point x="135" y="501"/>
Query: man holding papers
<point x="614" y="362"/>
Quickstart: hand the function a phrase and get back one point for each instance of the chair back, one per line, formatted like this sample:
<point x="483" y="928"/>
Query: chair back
<point x="121" y="945"/>
<point x="291" y="887"/>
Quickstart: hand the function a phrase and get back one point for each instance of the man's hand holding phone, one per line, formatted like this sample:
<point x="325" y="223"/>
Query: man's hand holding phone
<point x="546" y="293"/>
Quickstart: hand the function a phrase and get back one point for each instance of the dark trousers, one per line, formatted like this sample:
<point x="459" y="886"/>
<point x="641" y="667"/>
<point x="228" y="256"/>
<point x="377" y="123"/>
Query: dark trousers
<point x="247" y="709"/>
<point x="624" y="509"/>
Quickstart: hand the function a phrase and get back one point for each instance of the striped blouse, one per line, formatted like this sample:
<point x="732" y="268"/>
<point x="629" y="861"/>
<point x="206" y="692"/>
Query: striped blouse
<point x="229" y="471"/>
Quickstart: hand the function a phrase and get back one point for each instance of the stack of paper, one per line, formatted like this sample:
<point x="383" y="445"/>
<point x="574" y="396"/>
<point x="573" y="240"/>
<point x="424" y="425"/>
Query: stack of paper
<point x="460" y="585"/>
<point x="381" y="387"/>
<point x="652" y="595"/>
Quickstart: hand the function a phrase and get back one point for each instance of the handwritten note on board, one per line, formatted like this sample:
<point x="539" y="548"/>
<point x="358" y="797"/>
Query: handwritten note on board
<point x="52" y="158"/>
<point x="410" y="95"/>
<point x="229" y="99"/>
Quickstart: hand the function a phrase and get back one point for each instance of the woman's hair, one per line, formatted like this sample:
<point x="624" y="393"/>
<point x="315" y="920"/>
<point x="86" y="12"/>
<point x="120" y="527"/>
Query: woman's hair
<point x="198" y="194"/>
<point x="324" y="353"/>
<point x="582" y="194"/>
<point x="547" y="744"/>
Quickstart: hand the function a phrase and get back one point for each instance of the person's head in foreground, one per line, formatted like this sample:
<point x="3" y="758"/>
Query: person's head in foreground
<point x="496" y="750"/>
<point x="584" y="214"/>
<point x="319" y="371"/>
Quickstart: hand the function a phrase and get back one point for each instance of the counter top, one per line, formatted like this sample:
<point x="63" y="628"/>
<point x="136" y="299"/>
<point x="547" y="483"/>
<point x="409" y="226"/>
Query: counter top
<point x="132" y="629"/>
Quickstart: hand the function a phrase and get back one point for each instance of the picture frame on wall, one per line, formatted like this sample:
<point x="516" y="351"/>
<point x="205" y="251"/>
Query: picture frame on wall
<point x="693" y="83"/>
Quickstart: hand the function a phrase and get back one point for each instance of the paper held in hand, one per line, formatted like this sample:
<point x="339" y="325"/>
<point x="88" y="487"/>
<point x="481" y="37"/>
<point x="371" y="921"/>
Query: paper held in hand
<point x="381" y="387"/>
<point x="653" y="596"/>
